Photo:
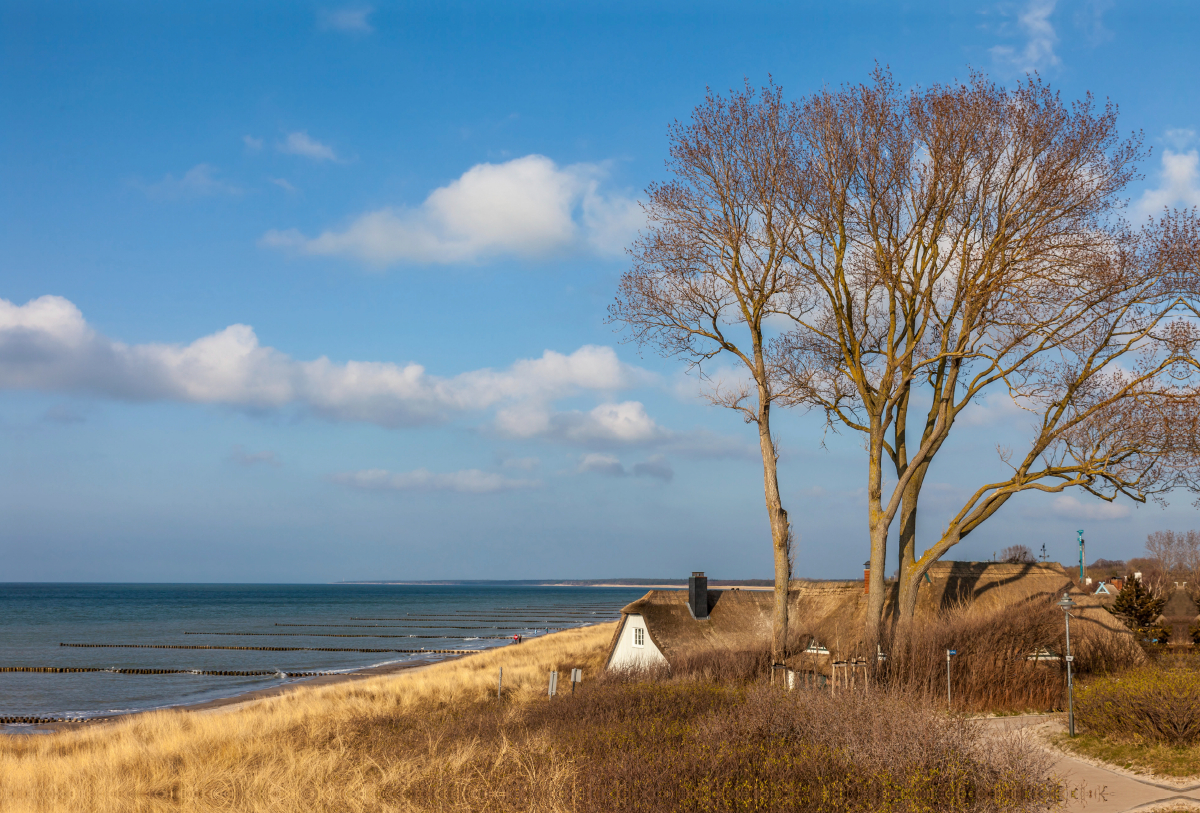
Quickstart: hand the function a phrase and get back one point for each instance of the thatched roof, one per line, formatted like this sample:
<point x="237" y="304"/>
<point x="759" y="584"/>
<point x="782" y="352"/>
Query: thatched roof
<point x="1180" y="606"/>
<point x="834" y="612"/>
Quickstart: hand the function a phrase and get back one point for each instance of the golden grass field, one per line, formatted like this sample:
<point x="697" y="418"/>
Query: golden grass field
<point x="306" y="750"/>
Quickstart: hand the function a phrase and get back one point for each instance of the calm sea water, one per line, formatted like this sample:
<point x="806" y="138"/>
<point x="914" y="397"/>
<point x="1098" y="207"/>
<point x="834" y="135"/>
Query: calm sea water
<point x="36" y="618"/>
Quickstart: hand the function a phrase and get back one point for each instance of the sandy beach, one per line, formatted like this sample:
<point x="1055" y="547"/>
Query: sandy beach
<point x="241" y="699"/>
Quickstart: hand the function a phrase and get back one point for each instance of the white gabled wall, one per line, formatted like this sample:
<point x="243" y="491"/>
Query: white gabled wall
<point x="626" y="655"/>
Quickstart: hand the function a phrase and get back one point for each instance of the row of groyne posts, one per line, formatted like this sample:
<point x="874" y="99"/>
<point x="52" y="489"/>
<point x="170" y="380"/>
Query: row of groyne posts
<point x="549" y="617"/>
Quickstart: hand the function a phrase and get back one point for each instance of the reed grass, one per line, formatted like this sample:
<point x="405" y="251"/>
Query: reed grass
<point x="996" y="669"/>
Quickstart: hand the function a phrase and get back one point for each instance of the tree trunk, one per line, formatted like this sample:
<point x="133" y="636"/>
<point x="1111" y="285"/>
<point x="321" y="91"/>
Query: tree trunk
<point x="907" y="600"/>
<point x="779" y="529"/>
<point x="878" y="528"/>
<point x="910" y="584"/>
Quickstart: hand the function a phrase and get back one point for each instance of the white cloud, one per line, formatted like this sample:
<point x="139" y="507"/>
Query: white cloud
<point x="1179" y="184"/>
<point x="252" y="143"/>
<point x="712" y="380"/>
<point x="199" y="181"/>
<point x="466" y="481"/>
<point x="353" y="20"/>
<point x="300" y="143"/>
<point x="626" y="422"/>
<point x="527" y="207"/>
<point x="283" y="184"/>
<point x="601" y="464"/>
<point x="1068" y="506"/>
<point x="612" y="425"/>
<point x="242" y="457"/>
<point x="1090" y="19"/>
<point x="995" y="409"/>
<point x="47" y="345"/>
<point x="1180" y="138"/>
<point x="1040" y="39"/>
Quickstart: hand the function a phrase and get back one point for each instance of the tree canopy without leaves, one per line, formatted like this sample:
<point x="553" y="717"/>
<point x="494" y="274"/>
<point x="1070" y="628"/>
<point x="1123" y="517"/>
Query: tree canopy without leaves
<point x="1017" y="555"/>
<point x="964" y="242"/>
<point x="930" y="249"/>
<point x="712" y="266"/>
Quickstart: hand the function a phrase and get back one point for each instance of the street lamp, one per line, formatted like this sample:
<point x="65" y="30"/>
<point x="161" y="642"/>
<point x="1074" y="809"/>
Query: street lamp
<point x="1066" y="605"/>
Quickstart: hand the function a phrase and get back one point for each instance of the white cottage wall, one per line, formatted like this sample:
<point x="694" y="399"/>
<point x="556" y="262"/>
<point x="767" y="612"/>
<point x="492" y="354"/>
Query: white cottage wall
<point x="625" y="655"/>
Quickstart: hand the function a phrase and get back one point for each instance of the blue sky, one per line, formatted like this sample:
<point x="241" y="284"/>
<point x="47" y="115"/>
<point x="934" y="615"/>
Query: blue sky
<point x="296" y="292"/>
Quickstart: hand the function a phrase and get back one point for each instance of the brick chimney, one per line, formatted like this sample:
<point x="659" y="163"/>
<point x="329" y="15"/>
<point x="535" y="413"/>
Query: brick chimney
<point x="698" y="595"/>
<point x="866" y="575"/>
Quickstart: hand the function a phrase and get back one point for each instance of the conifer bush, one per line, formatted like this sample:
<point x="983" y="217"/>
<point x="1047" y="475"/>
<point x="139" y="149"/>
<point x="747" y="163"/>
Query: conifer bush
<point x="1140" y="609"/>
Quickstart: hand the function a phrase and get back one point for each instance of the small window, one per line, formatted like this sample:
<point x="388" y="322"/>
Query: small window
<point x="639" y="636"/>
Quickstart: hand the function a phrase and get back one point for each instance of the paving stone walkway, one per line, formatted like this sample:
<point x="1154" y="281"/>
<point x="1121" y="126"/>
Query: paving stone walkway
<point x="1093" y="789"/>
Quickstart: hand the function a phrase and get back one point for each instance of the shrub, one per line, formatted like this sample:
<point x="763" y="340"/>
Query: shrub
<point x="1139" y="608"/>
<point x="703" y="746"/>
<point x="1147" y="705"/>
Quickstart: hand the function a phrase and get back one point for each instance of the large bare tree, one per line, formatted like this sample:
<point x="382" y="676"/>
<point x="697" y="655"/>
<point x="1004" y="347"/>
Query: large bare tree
<point x="714" y="265"/>
<point x="964" y="242"/>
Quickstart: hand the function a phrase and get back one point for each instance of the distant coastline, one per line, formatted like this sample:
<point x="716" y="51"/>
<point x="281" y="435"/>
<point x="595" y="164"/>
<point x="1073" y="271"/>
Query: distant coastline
<point x="649" y="583"/>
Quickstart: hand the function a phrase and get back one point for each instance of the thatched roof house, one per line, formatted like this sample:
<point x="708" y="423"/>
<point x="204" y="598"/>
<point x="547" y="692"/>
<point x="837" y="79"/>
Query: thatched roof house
<point x="826" y="617"/>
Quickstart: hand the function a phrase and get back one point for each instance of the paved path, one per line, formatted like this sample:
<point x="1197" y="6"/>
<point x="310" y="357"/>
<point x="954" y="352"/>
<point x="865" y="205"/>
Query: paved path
<point x="1092" y="789"/>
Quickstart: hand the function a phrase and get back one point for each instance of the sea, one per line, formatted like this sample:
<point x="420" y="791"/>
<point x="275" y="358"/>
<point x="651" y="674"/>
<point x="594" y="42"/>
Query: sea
<point x="200" y="628"/>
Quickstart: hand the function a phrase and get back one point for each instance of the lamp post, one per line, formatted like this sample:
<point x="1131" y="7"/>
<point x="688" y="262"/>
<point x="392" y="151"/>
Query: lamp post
<point x="1066" y="605"/>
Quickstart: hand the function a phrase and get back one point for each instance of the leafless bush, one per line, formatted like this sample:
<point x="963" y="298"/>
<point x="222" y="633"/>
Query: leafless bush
<point x="1017" y="555"/>
<point x="1177" y="559"/>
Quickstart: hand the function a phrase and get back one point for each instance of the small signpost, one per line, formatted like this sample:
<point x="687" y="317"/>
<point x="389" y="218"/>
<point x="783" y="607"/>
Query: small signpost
<point x="576" y="677"/>
<point x="553" y="684"/>
<point x="949" y="654"/>
<point x="500" y="684"/>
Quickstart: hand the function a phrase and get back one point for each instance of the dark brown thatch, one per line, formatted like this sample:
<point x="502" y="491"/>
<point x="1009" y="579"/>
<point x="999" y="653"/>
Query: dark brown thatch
<point x="832" y="613"/>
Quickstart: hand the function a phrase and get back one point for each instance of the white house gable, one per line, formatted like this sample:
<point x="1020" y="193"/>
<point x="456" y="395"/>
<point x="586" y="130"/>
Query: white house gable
<point x="634" y="646"/>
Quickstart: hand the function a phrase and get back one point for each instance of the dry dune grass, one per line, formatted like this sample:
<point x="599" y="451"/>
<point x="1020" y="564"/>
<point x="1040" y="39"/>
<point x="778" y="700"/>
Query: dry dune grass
<point x="712" y="734"/>
<point x="298" y="751"/>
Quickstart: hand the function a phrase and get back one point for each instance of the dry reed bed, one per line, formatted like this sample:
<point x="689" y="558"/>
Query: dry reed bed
<point x="289" y="752"/>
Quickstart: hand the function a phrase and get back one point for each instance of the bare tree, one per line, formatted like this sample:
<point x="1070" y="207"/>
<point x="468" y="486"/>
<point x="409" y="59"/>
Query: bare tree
<point x="1176" y="558"/>
<point x="712" y="267"/>
<point x="1017" y="555"/>
<point x="1164" y="548"/>
<point x="962" y="241"/>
